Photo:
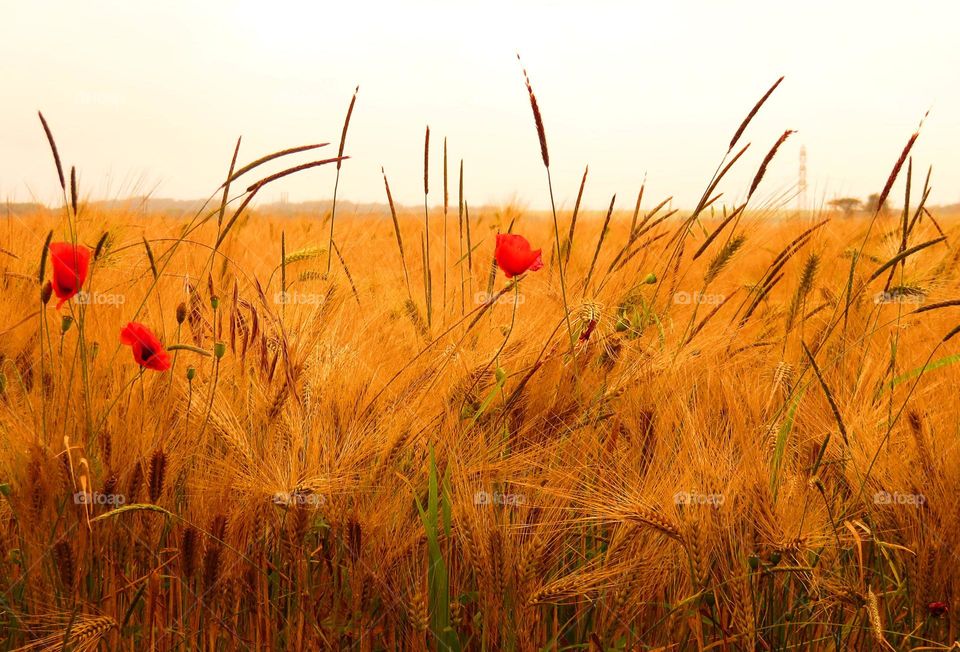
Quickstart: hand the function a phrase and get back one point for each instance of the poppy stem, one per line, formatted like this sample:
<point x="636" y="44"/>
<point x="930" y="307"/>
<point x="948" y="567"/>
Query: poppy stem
<point x="122" y="391"/>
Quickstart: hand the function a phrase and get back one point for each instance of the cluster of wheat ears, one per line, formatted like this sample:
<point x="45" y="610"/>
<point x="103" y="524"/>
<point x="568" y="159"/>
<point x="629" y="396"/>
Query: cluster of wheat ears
<point x="729" y="428"/>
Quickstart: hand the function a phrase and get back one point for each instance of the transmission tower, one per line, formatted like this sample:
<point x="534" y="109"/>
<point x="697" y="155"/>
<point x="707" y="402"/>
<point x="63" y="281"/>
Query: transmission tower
<point x="802" y="180"/>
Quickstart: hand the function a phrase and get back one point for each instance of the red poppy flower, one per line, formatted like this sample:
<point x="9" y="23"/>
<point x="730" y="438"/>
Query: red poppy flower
<point x="147" y="349"/>
<point x="70" y="264"/>
<point x="514" y="255"/>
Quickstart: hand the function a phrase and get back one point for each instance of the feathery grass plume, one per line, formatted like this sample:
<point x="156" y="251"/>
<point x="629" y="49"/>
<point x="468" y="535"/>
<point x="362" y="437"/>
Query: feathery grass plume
<point x="113" y="480"/>
<point x="921" y="207"/>
<point x="427" y="272"/>
<point x="703" y="322"/>
<point x="713" y="235"/>
<point x="542" y="135"/>
<point x="413" y="312"/>
<point x="270" y="157"/>
<point x="101" y="245"/>
<point x="43" y="257"/>
<point x="936" y="306"/>
<point x="895" y="172"/>
<point x="188" y="551"/>
<point x="336" y="182"/>
<point x="767" y="159"/>
<point x="881" y="200"/>
<point x="150" y="258"/>
<point x="596" y="253"/>
<point x="253" y="187"/>
<point x="135" y="483"/>
<point x="537" y="118"/>
<point x="466" y="222"/>
<point x="826" y="391"/>
<point x="396" y="230"/>
<point x="904" y="233"/>
<point x="770" y="276"/>
<point x="346" y="271"/>
<point x="157" y="474"/>
<point x="916" y="422"/>
<point x="568" y="245"/>
<point x="902" y="256"/>
<point x="636" y="208"/>
<point x="346" y="125"/>
<point x="750" y="116"/>
<point x="53" y="149"/>
<point x="73" y="189"/>
<point x="492" y="276"/>
<point x="283" y="272"/>
<point x="723" y="257"/>
<point x="226" y="184"/>
<point x="446" y="203"/>
<point x="463" y="306"/>
<point x="212" y="553"/>
<point x="66" y="566"/>
<point x="807" y="276"/>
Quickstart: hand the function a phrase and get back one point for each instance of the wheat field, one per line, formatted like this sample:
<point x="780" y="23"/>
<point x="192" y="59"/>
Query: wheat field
<point x="730" y="427"/>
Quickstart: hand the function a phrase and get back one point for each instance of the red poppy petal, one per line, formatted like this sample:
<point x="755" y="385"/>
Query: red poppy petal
<point x="537" y="262"/>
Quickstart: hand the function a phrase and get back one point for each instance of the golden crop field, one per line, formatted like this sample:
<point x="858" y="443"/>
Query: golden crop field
<point x="730" y="427"/>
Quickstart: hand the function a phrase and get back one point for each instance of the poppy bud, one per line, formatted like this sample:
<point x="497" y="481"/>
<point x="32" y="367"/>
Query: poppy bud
<point x="650" y="279"/>
<point x="754" y="562"/>
<point x="219" y="349"/>
<point x="191" y="372"/>
<point x="937" y="609"/>
<point x="65" y="323"/>
<point x="214" y="302"/>
<point x="46" y="292"/>
<point x="181" y="312"/>
<point x="774" y="558"/>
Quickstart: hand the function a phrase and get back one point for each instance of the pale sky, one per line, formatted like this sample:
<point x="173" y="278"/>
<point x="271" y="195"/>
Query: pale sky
<point x="145" y="95"/>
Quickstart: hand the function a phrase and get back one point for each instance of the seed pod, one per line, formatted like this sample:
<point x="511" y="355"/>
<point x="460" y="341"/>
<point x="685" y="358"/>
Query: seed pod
<point x="46" y="292"/>
<point x="181" y="312"/>
<point x="219" y="349"/>
<point x="66" y="323"/>
<point x="191" y="372"/>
